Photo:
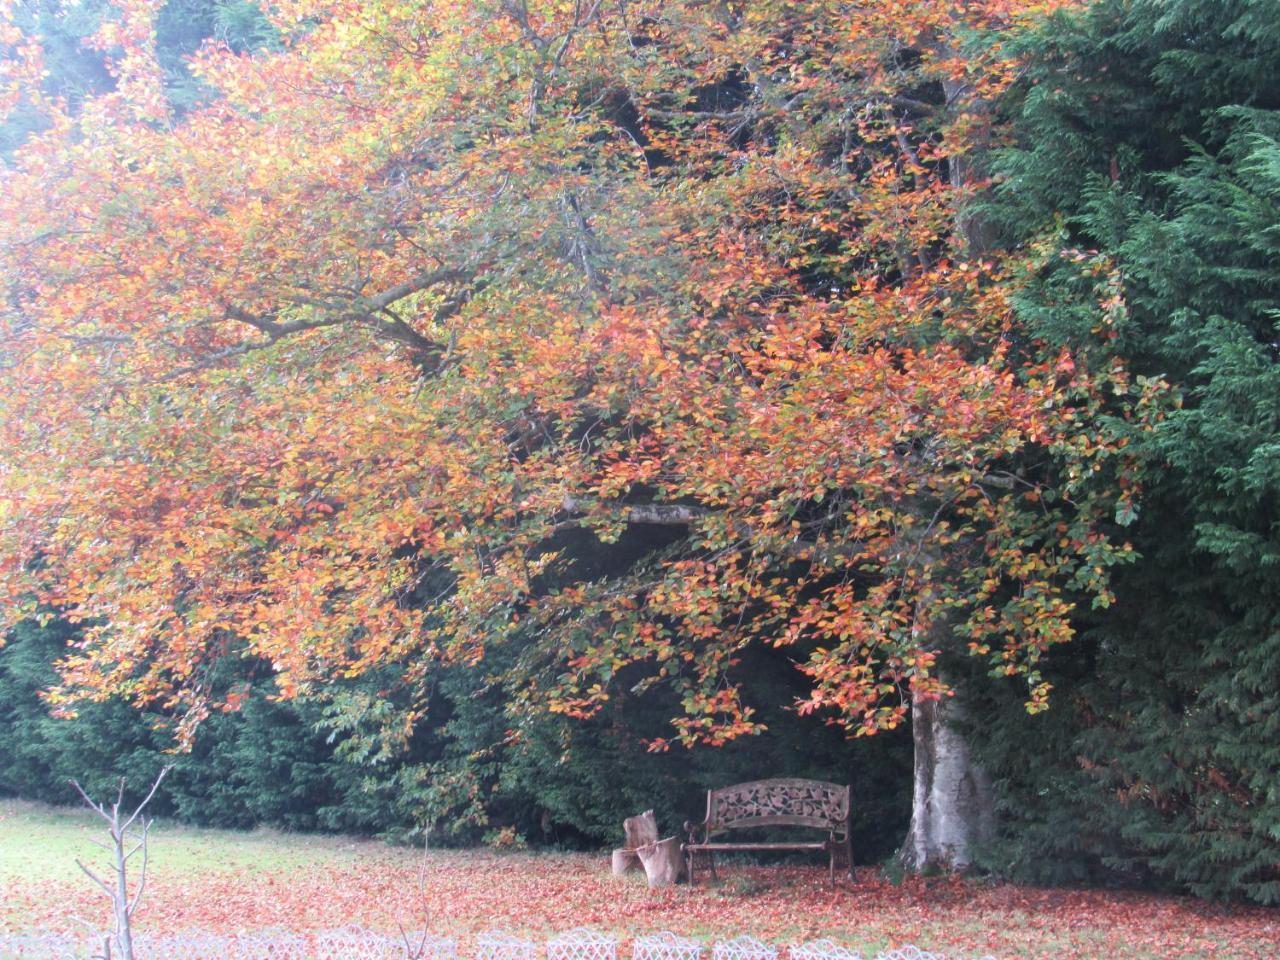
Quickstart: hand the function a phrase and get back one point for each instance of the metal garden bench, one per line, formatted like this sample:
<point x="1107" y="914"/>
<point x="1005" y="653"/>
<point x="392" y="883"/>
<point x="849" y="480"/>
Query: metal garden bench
<point x="773" y="803"/>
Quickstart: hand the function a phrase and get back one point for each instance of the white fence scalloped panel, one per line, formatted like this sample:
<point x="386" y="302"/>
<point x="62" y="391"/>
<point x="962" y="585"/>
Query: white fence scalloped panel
<point x="744" y="948"/>
<point x="583" y="944"/>
<point x="42" y="947"/>
<point x="269" y="945"/>
<point x="665" y="945"/>
<point x="500" y="945"/>
<point x="355" y="944"/>
<point x="424" y="946"/>
<point x="185" y="946"/>
<point x="821" y="950"/>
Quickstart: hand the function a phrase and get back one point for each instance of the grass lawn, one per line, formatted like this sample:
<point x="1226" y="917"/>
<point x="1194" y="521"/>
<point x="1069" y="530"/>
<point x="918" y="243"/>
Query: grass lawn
<point x="227" y="881"/>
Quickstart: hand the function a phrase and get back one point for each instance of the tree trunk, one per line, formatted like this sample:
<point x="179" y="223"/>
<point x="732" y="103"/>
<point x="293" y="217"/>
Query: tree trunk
<point x="969" y="169"/>
<point x="953" y="807"/>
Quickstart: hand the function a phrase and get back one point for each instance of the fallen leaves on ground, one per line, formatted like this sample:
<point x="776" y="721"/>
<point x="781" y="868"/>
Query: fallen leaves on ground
<point x="375" y="886"/>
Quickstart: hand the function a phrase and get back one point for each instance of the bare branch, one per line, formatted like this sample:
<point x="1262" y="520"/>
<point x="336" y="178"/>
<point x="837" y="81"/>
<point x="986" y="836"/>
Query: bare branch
<point x="95" y="878"/>
<point x="142" y="870"/>
<point x="123" y="905"/>
<point x="164" y="772"/>
<point x="97" y="808"/>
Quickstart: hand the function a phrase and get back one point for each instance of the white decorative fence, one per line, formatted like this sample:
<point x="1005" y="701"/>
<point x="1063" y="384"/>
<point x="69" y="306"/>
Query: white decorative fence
<point x="500" y="945"/>
<point x="354" y="943"/>
<point x="665" y="946"/>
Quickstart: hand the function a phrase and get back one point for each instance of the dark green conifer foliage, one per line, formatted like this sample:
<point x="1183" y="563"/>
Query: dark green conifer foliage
<point x="571" y="783"/>
<point x="270" y="763"/>
<point x="1149" y="145"/>
<point x="469" y="767"/>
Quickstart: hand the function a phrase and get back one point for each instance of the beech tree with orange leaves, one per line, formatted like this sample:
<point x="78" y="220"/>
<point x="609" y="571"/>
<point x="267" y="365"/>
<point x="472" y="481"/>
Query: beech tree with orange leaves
<point x="340" y="368"/>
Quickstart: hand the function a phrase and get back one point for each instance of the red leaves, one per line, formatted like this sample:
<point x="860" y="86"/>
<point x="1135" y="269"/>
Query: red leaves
<point x="321" y="372"/>
<point x="232" y="883"/>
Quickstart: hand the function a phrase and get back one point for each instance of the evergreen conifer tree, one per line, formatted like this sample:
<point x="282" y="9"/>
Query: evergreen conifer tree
<point x="1147" y="170"/>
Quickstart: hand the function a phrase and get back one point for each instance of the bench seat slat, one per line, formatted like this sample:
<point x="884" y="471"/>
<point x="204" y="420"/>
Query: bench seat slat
<point x="755" y="846"/>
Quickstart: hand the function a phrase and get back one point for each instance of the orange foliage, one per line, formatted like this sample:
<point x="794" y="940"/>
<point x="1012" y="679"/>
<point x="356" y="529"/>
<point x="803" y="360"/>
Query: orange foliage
<point x="323" y="371"/>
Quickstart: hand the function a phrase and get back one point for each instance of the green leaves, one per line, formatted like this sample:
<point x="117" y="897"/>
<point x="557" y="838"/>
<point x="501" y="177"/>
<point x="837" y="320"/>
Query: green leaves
<point x="1143" y="168"/>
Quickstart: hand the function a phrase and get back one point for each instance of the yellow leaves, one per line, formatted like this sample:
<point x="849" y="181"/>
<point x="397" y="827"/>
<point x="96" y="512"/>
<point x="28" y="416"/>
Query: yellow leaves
<point x="765" y="335"/>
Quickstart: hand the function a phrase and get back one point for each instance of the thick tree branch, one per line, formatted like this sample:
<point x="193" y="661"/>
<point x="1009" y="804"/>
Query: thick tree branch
<point x="372" y="310"/>
<point x="660" y="514"/>
<point x="683" y="515"/>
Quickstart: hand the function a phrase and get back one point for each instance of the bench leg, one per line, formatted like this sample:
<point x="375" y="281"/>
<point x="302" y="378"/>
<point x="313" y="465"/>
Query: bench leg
<point x="691" y="858"/>
<point x="841" y="856"/>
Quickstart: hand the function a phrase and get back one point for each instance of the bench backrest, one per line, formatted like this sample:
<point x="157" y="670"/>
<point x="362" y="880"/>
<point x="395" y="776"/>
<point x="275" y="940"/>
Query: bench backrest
<point x="781" y="802"/>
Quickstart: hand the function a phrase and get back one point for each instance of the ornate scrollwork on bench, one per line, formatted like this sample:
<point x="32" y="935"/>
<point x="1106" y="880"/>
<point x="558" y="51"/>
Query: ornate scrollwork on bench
<point x="763" y="803"/>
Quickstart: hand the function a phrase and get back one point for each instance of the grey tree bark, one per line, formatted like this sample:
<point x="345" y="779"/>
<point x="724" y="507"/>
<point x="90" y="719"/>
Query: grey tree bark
<point x="953" y="806"/>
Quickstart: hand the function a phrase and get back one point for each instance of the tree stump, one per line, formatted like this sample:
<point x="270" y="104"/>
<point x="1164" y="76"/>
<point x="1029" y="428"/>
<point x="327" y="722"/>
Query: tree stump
<point x="624" y="861"/>
<point x="663" y="861"/>
<point x="641" y="830"/>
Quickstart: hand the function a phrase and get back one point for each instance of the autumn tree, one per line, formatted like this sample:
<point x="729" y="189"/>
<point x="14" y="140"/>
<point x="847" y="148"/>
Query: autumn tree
<point x="358" y="362"/>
